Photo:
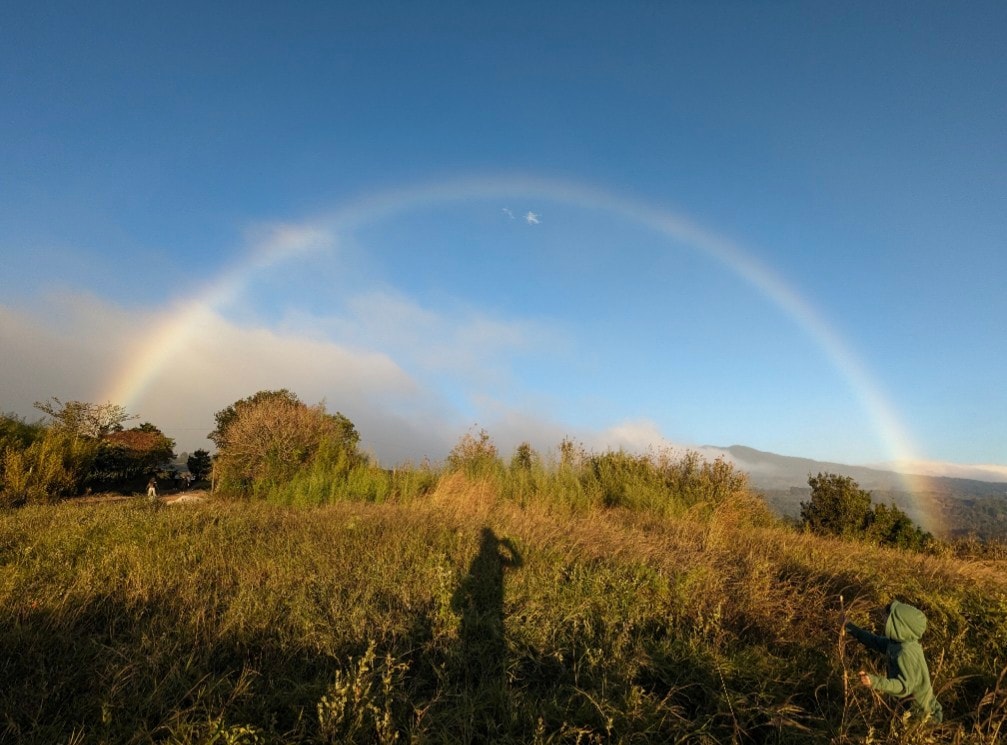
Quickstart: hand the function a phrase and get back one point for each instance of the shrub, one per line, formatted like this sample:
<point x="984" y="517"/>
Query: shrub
<point x="839" y="507"/>
<point x="268" y="438"/>
<point x="15" y="432"/>
<point x="475" y="455"/>
<point x="890" y="526"/>
<point x="50" y="468"/>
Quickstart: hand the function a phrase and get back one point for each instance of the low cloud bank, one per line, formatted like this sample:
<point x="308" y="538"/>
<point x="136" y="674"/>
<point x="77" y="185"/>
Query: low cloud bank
<point x="80" y="344"/>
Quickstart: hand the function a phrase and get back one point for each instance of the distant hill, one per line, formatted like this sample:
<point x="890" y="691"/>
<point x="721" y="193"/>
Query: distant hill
<point x="963" y="505"/>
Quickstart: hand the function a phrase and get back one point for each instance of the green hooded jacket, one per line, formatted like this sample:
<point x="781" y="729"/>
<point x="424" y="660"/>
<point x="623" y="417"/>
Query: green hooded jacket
<point x="908" y="674"/>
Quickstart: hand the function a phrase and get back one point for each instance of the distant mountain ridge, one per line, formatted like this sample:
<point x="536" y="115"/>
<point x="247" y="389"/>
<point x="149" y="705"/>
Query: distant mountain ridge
<point x="964" y="505"/>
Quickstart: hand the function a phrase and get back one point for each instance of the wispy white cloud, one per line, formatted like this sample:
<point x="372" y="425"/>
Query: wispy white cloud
<point x="532" y="219"/>
<point x="465" y="343"/>
<point x="508" y="212"/>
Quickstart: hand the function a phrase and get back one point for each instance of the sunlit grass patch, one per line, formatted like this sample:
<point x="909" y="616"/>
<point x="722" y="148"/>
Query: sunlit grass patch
<point x="467" y="616"/>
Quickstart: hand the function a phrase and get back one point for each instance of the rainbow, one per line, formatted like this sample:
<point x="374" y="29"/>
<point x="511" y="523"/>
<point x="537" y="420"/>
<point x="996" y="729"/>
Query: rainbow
<point x="287" y="242"/>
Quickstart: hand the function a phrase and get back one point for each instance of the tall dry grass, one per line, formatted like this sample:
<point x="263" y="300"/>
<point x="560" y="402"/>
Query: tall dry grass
<point x="468" y="615"/>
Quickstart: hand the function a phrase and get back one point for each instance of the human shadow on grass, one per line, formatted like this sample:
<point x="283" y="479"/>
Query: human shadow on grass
<point x="481" y="660"/>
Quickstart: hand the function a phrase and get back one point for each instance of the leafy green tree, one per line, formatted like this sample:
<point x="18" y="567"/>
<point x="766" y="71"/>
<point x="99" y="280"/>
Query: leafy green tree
<point x="838" y="506"/>
<point x="890" y="526"/>
<point x="199" y="464"/>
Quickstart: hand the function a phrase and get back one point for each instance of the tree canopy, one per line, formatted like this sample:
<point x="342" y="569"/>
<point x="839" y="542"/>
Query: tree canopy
<point x="199" y="464"/>
<point x="85" y="419"/>
<point x="839" y="507"/>
<point x="134" y="452"/>
<point x="82" y="446"/>
<point x="266" y="438"/>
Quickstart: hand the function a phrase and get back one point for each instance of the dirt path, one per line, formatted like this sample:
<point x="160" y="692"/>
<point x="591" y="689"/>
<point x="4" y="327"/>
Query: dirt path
<point x="193" y="496"/>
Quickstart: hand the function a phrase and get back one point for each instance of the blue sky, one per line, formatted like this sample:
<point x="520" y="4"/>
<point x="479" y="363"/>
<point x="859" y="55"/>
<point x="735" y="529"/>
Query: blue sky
<point x="854" y="154"/>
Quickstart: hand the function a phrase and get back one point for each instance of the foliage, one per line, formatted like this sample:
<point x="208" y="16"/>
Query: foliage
<point x="272" y="436"/>
<point x="360" y="705"/>
<point x="83" y="419"/>
<point x="474" y="455"/>
<point x="128" y="454"/>
<point x="663" y="482"/>
<point x="16" y="433"/>
<point x="838" y="506"/>
<point x="525" y="458"/>
<point x="85" y="445"/>
<point x="225" y="417"/>
<point x="53" y="466"/>
<point x="199" y="464"/>
<point x="571" y="454"/>
<point x="336" y="474"/>
<point x="890" y="526"/>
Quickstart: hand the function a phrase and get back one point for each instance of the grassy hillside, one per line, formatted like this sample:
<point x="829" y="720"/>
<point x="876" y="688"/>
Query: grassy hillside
<point x="463" y="617"/>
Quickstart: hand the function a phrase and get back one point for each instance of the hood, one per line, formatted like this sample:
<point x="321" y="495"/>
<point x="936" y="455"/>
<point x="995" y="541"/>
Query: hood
<point x="905" y="623"/>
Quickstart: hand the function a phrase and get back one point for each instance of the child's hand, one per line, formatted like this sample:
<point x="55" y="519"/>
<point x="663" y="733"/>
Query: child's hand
<point x="865" y="679"/>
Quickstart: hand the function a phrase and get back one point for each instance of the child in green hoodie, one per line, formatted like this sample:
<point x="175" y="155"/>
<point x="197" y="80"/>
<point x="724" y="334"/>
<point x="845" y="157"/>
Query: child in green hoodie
<point x="908" y="674"/>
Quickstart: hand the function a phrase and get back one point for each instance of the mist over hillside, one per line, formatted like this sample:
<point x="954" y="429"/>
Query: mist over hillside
<point x="964" y="505"/>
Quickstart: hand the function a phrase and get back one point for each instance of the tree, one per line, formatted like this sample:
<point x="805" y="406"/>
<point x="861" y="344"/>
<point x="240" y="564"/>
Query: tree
<point x="891" y="526"/>
<point x="199" y="464"/>
<point x="524" y="458"/>
<point x="838" y="506"/>
<point x="130" y="453"/>
<point x="83" y="419"/>
<point x="476" y="455"/>
<point x="16" y="433"/>
<point x="226" y="417"/>
<point x="84" y="445"/>
<point x="265" y="439"/>
<point x="50" y="468"/>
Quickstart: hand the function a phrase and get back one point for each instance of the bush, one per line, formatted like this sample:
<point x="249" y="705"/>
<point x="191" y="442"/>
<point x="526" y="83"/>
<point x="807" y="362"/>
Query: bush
<point x="18" y="434"/>
<point x="268" y="439"/>
<point x="839" y="507"/>
<point x="475" y="455"/>
<point x="50" y="468"/>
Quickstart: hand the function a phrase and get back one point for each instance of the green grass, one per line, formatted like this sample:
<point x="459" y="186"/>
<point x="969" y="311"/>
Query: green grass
<point x="459" y="615"/>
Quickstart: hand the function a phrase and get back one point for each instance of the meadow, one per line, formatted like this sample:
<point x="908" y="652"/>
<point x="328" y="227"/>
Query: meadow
<point x="471" y="612"/>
